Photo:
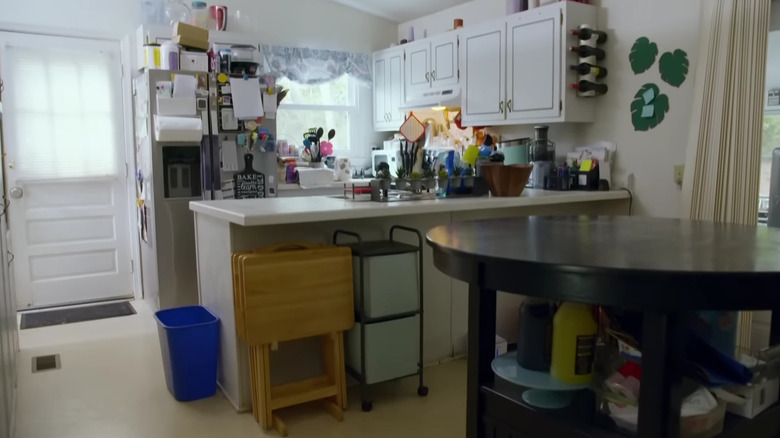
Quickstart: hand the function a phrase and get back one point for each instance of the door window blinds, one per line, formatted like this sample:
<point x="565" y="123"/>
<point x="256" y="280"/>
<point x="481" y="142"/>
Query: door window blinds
<point x="65" y="120"/>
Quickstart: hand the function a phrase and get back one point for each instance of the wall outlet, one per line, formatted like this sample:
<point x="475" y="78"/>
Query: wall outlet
<point x="679" y="173"/>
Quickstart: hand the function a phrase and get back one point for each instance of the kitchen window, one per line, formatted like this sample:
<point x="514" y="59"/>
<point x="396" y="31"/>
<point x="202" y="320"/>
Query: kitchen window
<point x="330" y="105"/>
<point x="770" y="140"/>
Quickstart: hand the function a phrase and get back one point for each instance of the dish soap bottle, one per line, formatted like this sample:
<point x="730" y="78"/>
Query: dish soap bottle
<point x="573" y="344"/>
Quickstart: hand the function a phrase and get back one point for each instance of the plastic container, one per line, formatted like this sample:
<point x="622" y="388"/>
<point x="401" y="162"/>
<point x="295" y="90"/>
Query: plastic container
<point x="189" y="343"/>
<point x="169" y="56"/>
<point x="200" y="15"/>
<point x="573" y="344"/>
<point x="534" y="340"/>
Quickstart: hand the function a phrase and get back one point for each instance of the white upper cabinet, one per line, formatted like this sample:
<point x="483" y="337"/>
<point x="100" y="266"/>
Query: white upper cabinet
<point x="484" y="73"/>
<point x="388" y="89"/>
<point x="516" y="70"/>
<point x="430" y="64"/>
<point x="534" y="65"/>
<point x="418" y="67"/>
<point x="444" y="60"/>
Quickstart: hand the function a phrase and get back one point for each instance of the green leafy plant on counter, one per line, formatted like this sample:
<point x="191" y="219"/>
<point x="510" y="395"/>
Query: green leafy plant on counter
<point x="400" y="172"/>
<point x="643" y="54"/>
<point x="673" y="67"/>
<point x="415" y="175"/>
<point x="458" y="171"/>
<point x="383" y="174"/>
<point x="648" y="107"/>
<point x="443" y="174"/>
<point x="429" y="173"/>
<point x="469" y="171"/>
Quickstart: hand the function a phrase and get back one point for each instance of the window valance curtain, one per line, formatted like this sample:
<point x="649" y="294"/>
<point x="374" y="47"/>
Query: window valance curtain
<point x="313" y="66"/>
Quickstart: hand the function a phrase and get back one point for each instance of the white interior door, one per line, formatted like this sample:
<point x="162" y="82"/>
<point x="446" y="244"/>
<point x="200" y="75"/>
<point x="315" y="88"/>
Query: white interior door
<point x="534" y="65"/>
<point x="65" y="169"/>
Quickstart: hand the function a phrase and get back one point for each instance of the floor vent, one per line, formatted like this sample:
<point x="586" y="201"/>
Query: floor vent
<point x="45" y="363"/>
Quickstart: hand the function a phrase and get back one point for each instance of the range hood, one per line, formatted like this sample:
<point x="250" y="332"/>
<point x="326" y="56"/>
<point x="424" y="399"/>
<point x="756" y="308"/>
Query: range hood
<point x="447" y="97"/>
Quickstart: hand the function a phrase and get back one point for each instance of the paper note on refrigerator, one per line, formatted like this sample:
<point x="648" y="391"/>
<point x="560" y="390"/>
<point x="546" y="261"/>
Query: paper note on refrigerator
<point x="247" y="99"/>
<point x="184" y="86"/>
<point x="269" y="105"/>
<point x="229" y="159"/>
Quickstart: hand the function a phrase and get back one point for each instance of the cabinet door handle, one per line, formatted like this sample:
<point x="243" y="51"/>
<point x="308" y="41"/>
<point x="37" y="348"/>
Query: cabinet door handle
<point x="501" y="106"/>
<point x="427" y="77"/>
<point x="509" y="106"/>
<point x="433" y="75"/>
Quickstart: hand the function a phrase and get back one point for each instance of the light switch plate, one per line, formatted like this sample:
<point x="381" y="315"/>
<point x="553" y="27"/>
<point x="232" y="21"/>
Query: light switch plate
<point x="679" y="173"/>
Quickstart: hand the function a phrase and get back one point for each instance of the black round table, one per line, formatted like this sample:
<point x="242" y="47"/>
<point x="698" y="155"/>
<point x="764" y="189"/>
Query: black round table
<point x="665" y="268"/>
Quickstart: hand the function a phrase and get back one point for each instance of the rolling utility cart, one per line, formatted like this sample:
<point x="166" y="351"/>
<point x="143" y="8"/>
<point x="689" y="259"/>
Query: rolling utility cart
<point x="387" y="340"/>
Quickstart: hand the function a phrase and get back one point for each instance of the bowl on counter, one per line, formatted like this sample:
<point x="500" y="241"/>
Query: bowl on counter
<point x="506" y="180"/>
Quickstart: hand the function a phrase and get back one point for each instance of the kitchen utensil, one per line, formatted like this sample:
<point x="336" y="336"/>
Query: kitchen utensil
<point x="331" y="134"/>
<point x="307" y="143"/>
<point x="218" y="15"/>
<point x="320" y="133"/>
<point x="506" y="180"/>
<point x="412" y="129"/>
<point x="326" y="148"/>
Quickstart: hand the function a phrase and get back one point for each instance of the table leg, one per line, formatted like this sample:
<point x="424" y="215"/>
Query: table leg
<point x="481" y="351"/>
<point x="662" y="359"/>
<point x="774" y="328"/>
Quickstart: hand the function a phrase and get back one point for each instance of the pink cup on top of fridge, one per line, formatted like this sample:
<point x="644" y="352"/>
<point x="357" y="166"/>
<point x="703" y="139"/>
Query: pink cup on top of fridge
<point x="218" y="17"/>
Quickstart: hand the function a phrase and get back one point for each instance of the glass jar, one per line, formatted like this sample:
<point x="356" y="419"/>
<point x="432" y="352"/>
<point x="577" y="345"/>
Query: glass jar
<point x="200" y="15"/>
<point x="175" y="11"/>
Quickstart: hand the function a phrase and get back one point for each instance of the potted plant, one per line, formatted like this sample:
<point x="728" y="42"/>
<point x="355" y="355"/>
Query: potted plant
<point x="429" y="179"/>
<point x="456" y="177"/>
<point x="468" y="176"/>
<point x="415" y="183"/>
<point x="400" y="182"/>
<point x="443" y="180"/>
<point x="384" y="179"/>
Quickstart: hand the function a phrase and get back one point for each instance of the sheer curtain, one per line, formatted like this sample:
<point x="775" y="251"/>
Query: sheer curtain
<point x="60" y="105"/>
<point x="724" y="149"/>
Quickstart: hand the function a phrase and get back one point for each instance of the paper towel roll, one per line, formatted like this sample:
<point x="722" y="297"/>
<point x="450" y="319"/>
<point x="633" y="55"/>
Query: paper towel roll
<point x="342" y="169"/>
<point x="178" y="129"/>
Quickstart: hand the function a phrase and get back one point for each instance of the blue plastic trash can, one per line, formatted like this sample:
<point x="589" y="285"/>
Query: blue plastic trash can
<point x="189" y="342"/>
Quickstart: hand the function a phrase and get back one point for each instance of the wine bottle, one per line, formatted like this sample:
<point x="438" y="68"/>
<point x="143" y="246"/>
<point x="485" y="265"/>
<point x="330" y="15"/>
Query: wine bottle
<point x="584" y="68"/>
<point x="587" y="86"/>
<point x="586" y="34"/>
<point x="586" y="51"/>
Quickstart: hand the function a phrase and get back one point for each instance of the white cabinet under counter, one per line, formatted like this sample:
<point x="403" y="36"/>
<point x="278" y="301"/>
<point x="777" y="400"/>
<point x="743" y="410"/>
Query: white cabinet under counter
<point x="228" y="226"/>
<point x="516" y="70"/>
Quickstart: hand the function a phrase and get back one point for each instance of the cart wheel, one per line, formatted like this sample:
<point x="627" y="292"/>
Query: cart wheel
<point x="422" y="391"/>
<point x="366" y="406"/>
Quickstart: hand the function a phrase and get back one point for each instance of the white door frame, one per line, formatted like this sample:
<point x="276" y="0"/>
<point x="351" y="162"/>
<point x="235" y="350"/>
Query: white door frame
<point x="125" y="52"/>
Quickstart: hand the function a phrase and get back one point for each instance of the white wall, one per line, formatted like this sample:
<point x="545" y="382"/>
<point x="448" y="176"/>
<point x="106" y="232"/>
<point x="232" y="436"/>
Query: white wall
<point x="645" y="159"/>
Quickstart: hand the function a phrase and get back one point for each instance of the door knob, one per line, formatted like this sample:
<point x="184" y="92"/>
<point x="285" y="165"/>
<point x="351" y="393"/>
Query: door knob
<point x="16" y="192"/>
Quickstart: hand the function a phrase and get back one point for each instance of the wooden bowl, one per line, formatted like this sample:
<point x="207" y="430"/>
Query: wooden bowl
<point x="506" y="180"/>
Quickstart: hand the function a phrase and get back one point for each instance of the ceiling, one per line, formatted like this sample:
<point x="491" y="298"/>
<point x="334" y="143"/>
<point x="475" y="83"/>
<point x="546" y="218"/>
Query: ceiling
<point x="400" y="10"/>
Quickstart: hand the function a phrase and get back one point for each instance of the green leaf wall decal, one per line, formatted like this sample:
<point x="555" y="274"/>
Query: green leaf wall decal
<point x="642" y="55"/>
<point x="674" y="67"/>
<point x="660" y="104"/>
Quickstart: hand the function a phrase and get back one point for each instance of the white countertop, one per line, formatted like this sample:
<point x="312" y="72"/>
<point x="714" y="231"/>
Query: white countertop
<point x="273" y="211"/>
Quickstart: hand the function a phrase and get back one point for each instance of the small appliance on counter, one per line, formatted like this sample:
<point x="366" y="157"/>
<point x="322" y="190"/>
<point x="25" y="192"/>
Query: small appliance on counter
<point x="542" y="155"/>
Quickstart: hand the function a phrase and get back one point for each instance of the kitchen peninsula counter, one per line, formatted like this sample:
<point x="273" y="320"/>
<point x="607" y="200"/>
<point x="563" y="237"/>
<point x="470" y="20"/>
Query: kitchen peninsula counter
<point x="228" y="226"/>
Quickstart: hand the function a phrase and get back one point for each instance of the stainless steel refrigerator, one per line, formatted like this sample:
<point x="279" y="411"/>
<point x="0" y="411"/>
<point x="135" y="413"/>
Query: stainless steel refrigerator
<point x="171" y="174"/>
